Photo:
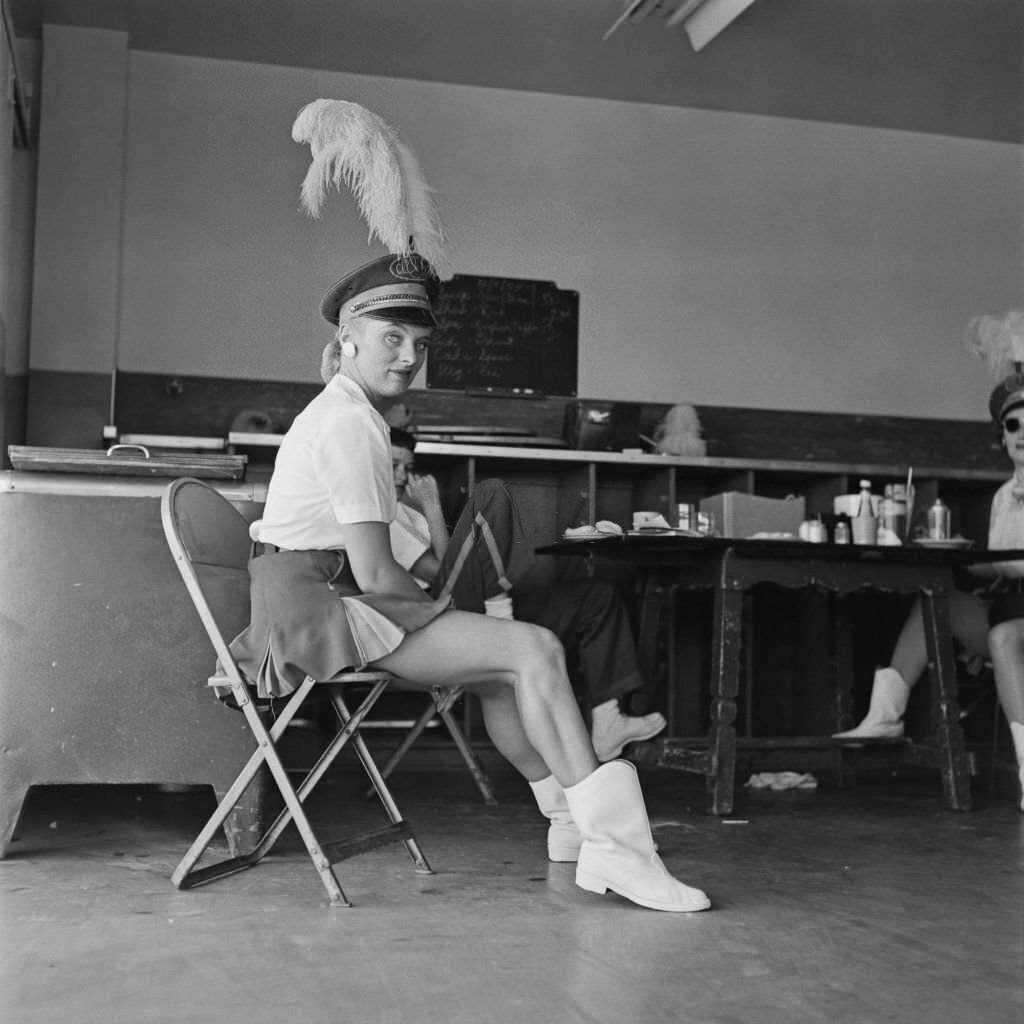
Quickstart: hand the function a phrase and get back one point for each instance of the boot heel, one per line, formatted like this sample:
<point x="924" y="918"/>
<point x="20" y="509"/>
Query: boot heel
<point x="592" y="883"/>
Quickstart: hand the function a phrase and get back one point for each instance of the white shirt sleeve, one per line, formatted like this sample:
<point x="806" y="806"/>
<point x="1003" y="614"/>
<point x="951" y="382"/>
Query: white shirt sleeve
<point x="352" y="459"/>
<point x="410" y="536"/>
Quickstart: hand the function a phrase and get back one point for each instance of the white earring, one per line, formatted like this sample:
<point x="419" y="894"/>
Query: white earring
<point x="348" y="348"/>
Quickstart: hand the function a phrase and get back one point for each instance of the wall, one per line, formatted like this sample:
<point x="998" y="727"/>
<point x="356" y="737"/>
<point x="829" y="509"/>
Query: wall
<point x="17" y="192"/>
<point x="722" y="259"/>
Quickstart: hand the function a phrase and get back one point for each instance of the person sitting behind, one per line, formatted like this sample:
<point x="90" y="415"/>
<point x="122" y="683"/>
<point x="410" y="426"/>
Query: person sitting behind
<point x="588" y="616"/>
<point x="987" y="622"/>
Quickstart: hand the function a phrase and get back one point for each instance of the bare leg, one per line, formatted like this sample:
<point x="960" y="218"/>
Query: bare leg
<point x="542" y="728"/>
<point x="1006" y="647"/>
<point x="518" y="671"/>
<point x="890" y="688"/>
<point x="968" y="617"/>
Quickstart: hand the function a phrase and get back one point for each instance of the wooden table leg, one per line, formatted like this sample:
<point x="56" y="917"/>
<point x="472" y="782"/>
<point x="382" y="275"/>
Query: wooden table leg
<point x="727" y="630"/>
<point x="842" y="674"/>
<point x="956" y="788"/>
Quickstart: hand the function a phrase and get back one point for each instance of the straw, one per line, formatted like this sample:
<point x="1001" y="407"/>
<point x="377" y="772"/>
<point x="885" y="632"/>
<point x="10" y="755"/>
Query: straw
<point x="910" y="502"/>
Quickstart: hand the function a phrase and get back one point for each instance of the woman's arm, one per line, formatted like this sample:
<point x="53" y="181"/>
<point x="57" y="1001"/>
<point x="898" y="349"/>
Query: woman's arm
<point x="422" y="494"/>
<point x="368" y="548"/>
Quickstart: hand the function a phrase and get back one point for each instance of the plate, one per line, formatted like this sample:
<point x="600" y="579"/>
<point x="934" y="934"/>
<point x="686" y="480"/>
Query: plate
<point x="953" y="543"/>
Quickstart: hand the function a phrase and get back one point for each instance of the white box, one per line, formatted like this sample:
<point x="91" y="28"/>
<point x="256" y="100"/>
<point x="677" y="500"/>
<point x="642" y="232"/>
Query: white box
<point x="741" y="515"/>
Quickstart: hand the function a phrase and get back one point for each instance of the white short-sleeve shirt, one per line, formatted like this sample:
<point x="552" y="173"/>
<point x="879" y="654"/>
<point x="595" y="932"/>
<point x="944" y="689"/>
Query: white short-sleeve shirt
<point x="1006" y="526"/>
<point x="333" y="467"/>
<point x="410" y="536"/>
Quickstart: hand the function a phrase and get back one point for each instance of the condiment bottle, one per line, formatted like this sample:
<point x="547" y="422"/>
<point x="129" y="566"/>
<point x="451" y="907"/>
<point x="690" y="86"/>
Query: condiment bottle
<point x="864" y="505"/>
<point x="864" y="526"/>
<point x="938" y="521"/>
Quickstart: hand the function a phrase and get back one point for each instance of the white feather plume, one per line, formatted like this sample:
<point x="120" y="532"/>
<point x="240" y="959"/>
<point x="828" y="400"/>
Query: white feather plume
<point x="353" y="147"/>
<point x="999" y="340"/>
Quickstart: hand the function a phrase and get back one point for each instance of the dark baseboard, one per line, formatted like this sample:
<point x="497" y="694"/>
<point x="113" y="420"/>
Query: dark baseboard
<point x="207" y="406"/>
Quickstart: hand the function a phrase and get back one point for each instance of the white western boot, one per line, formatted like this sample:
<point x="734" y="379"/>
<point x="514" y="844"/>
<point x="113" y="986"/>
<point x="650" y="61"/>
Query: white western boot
<point x="611" y="730"/>
<point x="618" y="851"/>
<point x="884" y="720"/>
<point x="1017" y="732"/>
<point x="563" y="836"/>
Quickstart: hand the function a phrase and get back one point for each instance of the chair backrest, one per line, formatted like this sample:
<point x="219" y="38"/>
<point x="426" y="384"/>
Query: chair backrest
<point x="209" y="541"/>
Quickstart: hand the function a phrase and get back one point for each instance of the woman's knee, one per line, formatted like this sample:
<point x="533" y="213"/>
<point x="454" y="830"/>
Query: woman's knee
<point x="1006" y="639"/>
<point x="490" y="492"/>
<point x="541" y="652"/>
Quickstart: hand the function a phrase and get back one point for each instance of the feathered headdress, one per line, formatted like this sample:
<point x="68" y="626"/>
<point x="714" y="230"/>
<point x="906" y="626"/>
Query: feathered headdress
<point x="999" y="340"/>
<point x="352" y="146"/>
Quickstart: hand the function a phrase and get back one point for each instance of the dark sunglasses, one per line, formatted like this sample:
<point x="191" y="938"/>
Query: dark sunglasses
<point x="1012" y="424"/>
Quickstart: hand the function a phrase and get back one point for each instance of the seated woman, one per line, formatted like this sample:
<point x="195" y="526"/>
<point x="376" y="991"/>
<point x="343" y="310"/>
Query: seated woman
<point x="328" y="594"/>
<point x="483" y="565"/>
<point x="989" y="621"/>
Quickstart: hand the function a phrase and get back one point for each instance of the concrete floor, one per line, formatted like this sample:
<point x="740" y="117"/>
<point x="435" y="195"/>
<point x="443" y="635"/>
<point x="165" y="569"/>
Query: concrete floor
<point x="870" y="905"/>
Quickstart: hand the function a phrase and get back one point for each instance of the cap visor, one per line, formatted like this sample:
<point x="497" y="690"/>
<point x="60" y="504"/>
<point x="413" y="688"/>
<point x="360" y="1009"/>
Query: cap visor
<point x="404" y="315"/>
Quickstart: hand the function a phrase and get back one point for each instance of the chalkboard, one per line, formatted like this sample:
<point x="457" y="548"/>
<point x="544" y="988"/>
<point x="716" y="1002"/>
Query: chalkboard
<point x="505" y="335"/>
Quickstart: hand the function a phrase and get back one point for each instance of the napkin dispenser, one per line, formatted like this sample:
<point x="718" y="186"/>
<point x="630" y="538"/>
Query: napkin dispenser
<point x="742" y="515"/>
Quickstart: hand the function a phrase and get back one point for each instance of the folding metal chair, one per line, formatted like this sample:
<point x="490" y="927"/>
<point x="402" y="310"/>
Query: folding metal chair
<point x="440" y="706"/>
<point x="209" y="541"/>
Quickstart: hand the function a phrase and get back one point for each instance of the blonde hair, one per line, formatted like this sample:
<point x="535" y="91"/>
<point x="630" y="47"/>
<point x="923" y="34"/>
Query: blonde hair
<point x="330" y="359"/>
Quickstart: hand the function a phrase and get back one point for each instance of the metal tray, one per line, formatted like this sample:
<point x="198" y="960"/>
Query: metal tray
<point x="127" y="460"/>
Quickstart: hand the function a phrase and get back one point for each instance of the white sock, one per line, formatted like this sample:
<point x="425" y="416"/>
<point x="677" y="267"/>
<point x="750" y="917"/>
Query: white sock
<point x="499" y="607"/>
<point x="608" y="710"/>
<point x="1017" y="732"/>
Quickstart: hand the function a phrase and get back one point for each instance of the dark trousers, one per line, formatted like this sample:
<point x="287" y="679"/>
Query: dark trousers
<point x="488" y="554"/>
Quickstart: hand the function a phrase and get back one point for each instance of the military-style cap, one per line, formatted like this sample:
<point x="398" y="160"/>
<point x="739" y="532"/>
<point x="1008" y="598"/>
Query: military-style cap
<point x="401" y="288"/>
<point x="1006" y="396"/>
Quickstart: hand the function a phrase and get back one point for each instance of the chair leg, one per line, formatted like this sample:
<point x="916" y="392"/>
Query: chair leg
<point x="381" y="787"/>
<point x="186" y="876"/>
<point x="443" y="699"/>
<point x="407" y="741"/>
<point x="322" y="856"/>
<point x="480" y="777"/>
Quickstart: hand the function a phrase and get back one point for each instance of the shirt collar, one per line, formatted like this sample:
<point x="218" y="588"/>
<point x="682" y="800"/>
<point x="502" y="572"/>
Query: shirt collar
<point x="348" y="387"/>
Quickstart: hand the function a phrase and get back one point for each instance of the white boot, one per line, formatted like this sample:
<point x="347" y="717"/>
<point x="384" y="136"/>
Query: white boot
<point x="884" y="720"/>
<point x="563" y="836"/>
<point x="618" y="851"/>
<point x="611" y="730"/>
<point x="1017" y="732"/>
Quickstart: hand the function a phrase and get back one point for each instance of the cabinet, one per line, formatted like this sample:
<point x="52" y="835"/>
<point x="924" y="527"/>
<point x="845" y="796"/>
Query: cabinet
<point x="103" y="678"/>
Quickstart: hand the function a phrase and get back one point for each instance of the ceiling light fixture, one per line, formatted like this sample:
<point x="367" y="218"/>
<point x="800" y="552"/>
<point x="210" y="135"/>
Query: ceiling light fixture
<point x="702" y="20"/>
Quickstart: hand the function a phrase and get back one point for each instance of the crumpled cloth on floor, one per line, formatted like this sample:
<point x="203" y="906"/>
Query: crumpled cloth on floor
<point x="782" y="780"/>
